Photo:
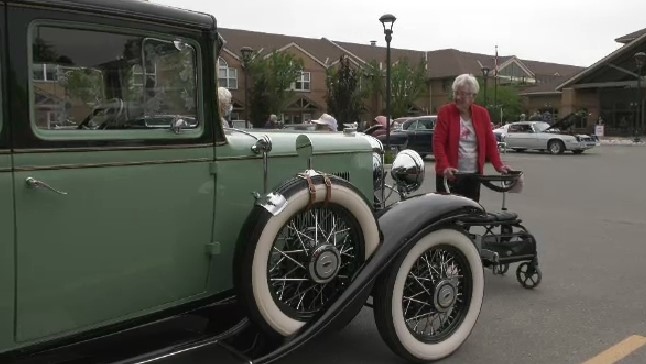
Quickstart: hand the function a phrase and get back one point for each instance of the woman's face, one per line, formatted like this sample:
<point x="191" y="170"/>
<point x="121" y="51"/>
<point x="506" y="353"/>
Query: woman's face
<point x="464" y="97"/>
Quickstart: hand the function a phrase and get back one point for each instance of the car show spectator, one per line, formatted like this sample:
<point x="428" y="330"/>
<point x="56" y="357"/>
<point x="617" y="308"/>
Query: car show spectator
<point x="225" y="105"/>
<point x="464" y="140"/>
<point x="325" y="122"/>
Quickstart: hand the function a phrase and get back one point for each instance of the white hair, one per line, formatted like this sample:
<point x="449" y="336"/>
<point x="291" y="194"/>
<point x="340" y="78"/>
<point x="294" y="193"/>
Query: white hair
<point x="468" y="80"/>
<point x="224" y="101"/>
<point x="224" y="95"/>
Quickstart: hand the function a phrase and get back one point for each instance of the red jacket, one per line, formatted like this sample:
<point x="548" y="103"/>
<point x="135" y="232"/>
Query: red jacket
<point x="446" y="138"/>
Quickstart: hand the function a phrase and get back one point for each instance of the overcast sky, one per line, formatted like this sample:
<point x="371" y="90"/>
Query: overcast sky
<point x="574" y="32"/>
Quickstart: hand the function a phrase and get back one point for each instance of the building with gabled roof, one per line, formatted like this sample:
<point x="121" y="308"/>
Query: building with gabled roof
<point x="442" y="66"/>
<point x="608" y="89"/>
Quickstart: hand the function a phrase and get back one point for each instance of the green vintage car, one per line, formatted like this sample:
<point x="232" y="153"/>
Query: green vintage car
<point x="124" y="205"/>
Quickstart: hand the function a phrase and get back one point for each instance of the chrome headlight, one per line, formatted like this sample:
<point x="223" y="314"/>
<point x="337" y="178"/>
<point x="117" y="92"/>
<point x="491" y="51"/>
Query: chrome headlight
<point x="408" y="171"/>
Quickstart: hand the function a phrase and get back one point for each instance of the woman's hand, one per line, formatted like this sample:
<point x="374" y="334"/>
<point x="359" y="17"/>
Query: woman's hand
<point x="449" y="173"/>
<point x="505" y="169"/>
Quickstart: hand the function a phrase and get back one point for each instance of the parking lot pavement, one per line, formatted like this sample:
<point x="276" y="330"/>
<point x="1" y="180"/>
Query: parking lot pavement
<point x="626" y="349"/>
<point x="588" y="214"/>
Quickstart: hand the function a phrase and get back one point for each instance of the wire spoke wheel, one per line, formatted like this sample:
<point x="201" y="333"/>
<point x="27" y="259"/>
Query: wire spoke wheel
<point x="437" y="294"/>
<point x="313" y="259"/>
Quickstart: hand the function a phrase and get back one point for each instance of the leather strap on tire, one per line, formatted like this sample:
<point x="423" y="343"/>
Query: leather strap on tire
<point x="312" y="191"/>
<point x="328" y="189"/>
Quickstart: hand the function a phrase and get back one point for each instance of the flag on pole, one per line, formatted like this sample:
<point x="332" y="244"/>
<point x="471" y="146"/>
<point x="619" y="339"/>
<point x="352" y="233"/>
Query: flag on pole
<point x="495" y="67"/>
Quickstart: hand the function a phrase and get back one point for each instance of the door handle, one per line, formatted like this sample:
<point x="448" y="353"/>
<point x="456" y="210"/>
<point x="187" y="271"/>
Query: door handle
<point x="34" y="183"/>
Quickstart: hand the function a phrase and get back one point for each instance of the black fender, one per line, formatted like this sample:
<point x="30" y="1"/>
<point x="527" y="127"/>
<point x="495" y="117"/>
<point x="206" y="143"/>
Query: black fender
<point x="401" y="225"/>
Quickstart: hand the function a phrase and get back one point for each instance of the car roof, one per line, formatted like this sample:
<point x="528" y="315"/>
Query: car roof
<point x="529" y="122"/>
<point x="135" y="9"/>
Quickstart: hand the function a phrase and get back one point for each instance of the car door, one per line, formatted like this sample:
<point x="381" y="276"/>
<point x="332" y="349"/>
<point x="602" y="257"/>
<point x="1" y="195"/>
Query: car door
<point x="112" y="217"/>
<point x="424" y="135"/>
<point x="7" y="287"/>
<point x="519" y="136"/>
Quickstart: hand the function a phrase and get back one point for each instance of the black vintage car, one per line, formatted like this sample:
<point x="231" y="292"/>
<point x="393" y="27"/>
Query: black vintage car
<point x="416" y="133"/>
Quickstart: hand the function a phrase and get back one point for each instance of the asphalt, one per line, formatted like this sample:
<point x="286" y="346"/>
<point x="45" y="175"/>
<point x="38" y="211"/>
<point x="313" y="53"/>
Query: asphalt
<point x="588" y="213"/>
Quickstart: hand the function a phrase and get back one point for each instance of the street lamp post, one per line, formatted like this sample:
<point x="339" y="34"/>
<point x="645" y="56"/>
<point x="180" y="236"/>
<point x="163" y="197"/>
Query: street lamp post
<point x="246" y="58"/>
<point x="387" y="21"/>
<point x="640" y="60"/>
<point x="485" y="75"/>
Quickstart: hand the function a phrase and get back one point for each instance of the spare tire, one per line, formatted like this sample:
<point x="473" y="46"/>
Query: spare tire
<point x="292" y="263"/>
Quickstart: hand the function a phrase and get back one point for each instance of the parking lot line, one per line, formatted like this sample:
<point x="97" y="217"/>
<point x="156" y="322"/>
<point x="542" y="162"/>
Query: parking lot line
<point x="619" y="351"/>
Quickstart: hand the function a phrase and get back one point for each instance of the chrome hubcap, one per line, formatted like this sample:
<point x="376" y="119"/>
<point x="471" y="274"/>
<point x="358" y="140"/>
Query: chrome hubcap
<point x="445" y="296"/>
<point x="325" y="263"/>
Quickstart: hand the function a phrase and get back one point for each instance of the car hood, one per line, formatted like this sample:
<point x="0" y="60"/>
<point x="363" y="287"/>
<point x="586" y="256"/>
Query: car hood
<point x="284" y="142"/>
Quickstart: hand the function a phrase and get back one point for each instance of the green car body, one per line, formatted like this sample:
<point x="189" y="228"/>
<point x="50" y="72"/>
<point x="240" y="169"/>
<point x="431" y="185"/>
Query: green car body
<point x="98" y="226"/>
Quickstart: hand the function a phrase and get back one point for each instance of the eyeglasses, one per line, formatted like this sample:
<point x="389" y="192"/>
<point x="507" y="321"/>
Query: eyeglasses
<point x="467" y="94"/>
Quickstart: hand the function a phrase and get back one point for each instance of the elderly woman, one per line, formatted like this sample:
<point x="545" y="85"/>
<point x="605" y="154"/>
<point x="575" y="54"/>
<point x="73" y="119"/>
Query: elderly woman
<point x="224" y="104"/>
<point x="464" y="140"/>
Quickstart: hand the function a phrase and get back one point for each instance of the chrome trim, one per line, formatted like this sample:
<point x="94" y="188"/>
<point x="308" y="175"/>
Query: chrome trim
<point x="273" y="202"/>
<point x="5" y="151"/>
<point x="34" y="183"/>
<point x="111" y="148"/>
<point x="243" y="157"/>
<point x="263" y="146"/>
<point x="109" y="164"/>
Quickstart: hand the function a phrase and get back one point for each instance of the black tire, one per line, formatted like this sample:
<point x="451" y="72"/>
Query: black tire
<point x="389" y="296"/>
<point x="271" y="310"/>
<point x="555" y="146"/>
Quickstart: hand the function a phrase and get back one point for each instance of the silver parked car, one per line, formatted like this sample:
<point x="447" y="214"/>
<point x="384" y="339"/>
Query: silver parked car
<point x="539" y="135"/>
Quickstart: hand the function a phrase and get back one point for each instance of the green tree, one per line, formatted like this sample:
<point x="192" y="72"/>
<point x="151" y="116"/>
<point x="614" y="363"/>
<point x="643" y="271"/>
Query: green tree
<point x="344" y="95"/>
<point x="373" y="84"/>
<point x="271" y="78"/>
<point x="507" y="98"/>
<point x="408" y="83"/>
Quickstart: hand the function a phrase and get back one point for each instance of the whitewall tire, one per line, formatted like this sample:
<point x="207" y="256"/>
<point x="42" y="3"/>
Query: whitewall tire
<point x="430" y="298"/>
<point x="269" y="247"/>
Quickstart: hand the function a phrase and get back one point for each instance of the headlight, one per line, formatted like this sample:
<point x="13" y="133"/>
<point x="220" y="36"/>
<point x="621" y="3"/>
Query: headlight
<point x="378" y="172"/>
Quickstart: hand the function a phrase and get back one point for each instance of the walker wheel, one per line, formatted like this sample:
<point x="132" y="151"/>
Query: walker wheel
<point x="500" y="268"/>
<point x="528" y="275"/>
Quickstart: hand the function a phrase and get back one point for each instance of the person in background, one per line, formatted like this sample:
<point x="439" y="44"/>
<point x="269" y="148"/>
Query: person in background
<point x="464" y="140"/>
<point x="325" y="122"/>
<point x="272" y="122"/>
<point x="225" y="106"/>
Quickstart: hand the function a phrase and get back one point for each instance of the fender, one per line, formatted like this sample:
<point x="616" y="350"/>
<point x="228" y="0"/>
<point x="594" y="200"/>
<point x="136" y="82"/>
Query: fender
<point x="401" y="224"/>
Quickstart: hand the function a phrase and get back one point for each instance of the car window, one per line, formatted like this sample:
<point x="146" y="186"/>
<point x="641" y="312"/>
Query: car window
<point x="409" y="124"/>
<point x="428" y="124"/>
<point x="520" y="128"/>
<point x="90" y="79"/>
<point x="540" y="127"/>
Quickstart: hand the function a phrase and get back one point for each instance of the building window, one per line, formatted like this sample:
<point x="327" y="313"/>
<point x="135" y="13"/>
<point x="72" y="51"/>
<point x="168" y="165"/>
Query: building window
<point x="45" y="72"/>
<point x="302" y="82"/>
<point x="227" y="76"/>
<point x="138" y="75"/>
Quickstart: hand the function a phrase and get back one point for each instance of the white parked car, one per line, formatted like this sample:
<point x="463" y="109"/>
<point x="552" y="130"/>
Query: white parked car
<point x="539" y="135"/>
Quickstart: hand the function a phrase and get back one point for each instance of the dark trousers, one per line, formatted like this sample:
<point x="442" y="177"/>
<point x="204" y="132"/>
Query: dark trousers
<point x="466" y="185"/>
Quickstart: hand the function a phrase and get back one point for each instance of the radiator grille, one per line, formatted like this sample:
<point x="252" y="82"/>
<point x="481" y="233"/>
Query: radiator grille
<point x="344" y="175"/>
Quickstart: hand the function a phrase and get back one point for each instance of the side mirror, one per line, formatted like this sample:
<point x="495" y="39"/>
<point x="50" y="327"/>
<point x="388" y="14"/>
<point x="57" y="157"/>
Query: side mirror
<point x="408" y="171"/>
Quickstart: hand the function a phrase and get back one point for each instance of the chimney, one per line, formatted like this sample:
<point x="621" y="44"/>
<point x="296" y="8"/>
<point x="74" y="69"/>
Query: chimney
<point x="373" y="43"/>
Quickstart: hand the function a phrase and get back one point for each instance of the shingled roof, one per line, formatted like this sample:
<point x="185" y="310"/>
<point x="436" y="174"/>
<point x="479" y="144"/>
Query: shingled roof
<point x="631" y="36"/>
<point x="441" y="63"/>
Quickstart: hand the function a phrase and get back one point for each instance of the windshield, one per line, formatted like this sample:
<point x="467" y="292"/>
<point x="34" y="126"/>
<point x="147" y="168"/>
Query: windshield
<point x="541" y="127"/>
